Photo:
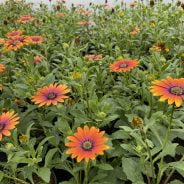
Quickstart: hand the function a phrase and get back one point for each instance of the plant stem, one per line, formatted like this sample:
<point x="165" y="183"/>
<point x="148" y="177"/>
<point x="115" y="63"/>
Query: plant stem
<point x="171" y="173"/>
<point x="159" y="177"/>
<point x="146" y="171"/>
<point x="151" y="106"/>
<point x="150" y="157"/>
<point x="87" y="166"/>
<point x="15" y="179"/>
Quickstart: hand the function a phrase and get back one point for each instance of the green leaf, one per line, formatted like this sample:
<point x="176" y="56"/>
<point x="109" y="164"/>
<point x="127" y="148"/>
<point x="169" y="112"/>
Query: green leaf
<point x="106" y="167"/>
<point x="63" y="126"/>
<point x="132" y="169"/>
<point x="29" y="130"/>
<point x="49" y="156"/>
<point x="176" y="182"/>
<point x="126" y="128"/>
<point x="1" y="175"/>
<point x="177" y="165"/>
<point x="120" y="134"/>
<point x="99" y="176"/>
<point x="43" y="142"/>
<point x="44" y="173"/>
<point x="170" y="149"/>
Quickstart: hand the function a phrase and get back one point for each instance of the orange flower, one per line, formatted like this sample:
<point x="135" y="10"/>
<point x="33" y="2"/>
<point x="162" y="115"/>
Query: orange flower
<point x="135" y="31"/>
<point x="83" y="12"/>
<point x="94" y="57"/>
<point x="51" y="94"/>
<point x="2" y="68"/>
<point x="2" y="41"/>
<point x="14" y="33"/>
<point x="60" y="14"/>
<point x="16" y="43"/>
<point x="87" y="143"/>
<point x="8" y="120"/>
<point x="123" y="65"/>
<point x="36" y="39"/>
<point x="86" y="23"/>
<point x="38" y="59"/>
<point x="159" y="47"/>
<point x="134" y="4"/>
<point x="24" y="19"/>
<point x="169" y="89"/>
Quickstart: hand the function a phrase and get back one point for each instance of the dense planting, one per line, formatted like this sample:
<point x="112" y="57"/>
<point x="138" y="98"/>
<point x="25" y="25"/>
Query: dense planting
<point x="91" y="95"/>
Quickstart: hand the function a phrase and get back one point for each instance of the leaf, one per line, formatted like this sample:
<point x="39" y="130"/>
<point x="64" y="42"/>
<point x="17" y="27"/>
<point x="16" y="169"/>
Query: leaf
<point x="43" y="142"/>
<point x="63" y="126"/>
<point x="126" y="128"/>
<point x="170" y="149"/>
<point x="176" y="182"/>
<point x="44" y="173"/>
<point x="177" y="165"/>
<point x="128" y="148"/>
<point x="106" y="167"/>
<point x="132" y="169"/>
<point x="49" y="156"/>
<point x="99" y="176"/>
<point x="1" y="175"/>
<point x="120" y="134"/>
<point x="29" y="130"/>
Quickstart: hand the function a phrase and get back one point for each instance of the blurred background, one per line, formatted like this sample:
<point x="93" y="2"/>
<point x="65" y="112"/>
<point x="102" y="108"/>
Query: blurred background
<point x="86" y="2"/>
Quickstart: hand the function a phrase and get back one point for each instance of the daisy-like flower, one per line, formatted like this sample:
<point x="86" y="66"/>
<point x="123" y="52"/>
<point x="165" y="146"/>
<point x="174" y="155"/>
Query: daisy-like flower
<point x="159" y="47"/>
<point x="16" y="43"/>
<point x="51" y="94"/>
<point x="14" y="33"/>
<point x="123" y="65"/>
<point x="2" y="68"/>
<point x="86" y="23"/>
<point x="36" y="39"/>
<point x="38" y="59"/>
<point x="60" y="14"/>
<point x="93" y="57"/>
<point x="8" y="120"/>
<point x="24" y="19"/>
<point x="135" y="31"/>
<point x="84" y="12"/>
<point x="2" y="41"/>
<point x="169" y="89"/>
<point x="134" y="4"/>
<point x="86" y="143"/>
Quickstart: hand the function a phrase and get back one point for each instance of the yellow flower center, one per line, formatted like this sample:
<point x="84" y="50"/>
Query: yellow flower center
<point x="87" y="145"/>
<point x="51" y="96"/>
<point x="177" y="90"/>
<point x="123" y="65"/>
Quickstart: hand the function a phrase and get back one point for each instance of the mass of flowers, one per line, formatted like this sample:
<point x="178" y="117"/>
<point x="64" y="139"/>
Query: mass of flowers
<point x="91" y="94"/>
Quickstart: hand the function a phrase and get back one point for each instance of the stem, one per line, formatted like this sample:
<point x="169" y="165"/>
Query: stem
<point x="150" y="157"/>
<point x="87" y="166"/>
<point x="151" y="106"/>
<point x="15" y="179"/>
<point x="164" y="146"/>
<point x="171" y="173"/>
<point x="146" y="171"/>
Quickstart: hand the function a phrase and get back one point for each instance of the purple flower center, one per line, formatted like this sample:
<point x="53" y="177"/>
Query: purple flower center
<point x="123" y="65"/>
<point x="87" y="145"/>
<point x="36" y="39"/>
<point x="51" y="95"/>
<point x="15" y="42"/>
<point x="177" y="90"/>
<point x="2" y="125"/>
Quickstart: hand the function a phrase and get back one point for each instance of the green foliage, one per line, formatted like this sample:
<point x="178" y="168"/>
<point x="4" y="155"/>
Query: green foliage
<point x="150" y="152"/>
